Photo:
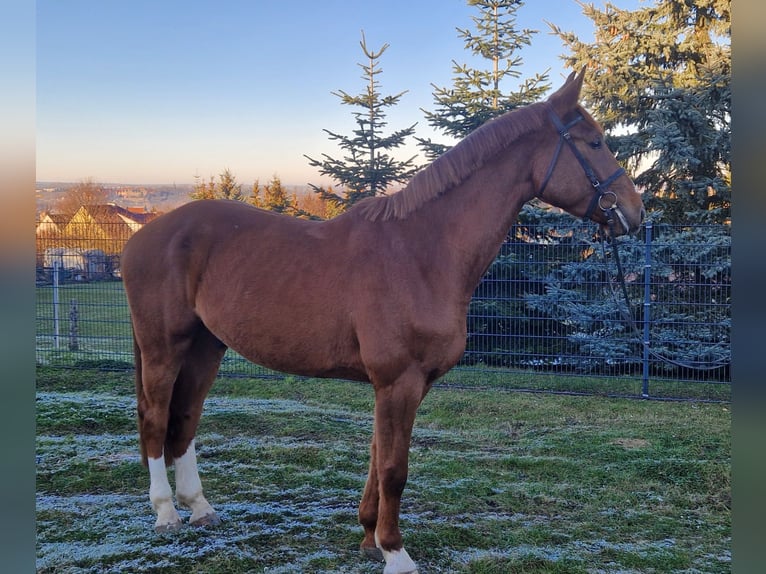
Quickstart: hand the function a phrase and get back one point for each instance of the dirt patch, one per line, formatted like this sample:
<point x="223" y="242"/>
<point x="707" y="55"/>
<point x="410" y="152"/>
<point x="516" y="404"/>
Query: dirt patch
<point x="631" y="443"/>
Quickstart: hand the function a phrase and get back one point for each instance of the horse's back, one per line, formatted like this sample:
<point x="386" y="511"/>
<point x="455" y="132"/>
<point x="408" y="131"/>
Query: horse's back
<point x="187" y="235"/>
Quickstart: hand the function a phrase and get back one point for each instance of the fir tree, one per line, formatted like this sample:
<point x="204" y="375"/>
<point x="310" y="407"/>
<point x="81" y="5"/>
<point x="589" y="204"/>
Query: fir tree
<point x="478" y="95"/>
<point x="366" y="169"/>
<point x="659" y="82"/>
<point x="255" y="195"/>
<point x="274" y="198"/>
<point x="226" y="188"/>
<point x="203" y="189"/>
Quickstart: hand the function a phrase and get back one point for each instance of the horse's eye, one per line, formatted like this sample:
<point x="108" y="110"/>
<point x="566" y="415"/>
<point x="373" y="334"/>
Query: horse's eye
<point x="596" y="144"/>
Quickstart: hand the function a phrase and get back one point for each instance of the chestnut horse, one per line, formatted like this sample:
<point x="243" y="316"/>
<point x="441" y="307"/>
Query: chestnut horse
<point x="378" y="294"/>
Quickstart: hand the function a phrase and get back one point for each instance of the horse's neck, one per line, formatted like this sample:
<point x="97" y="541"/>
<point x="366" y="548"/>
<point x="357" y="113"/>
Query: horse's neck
<point x="473" y="219"/>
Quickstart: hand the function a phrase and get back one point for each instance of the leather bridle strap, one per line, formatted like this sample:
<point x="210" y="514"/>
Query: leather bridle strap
<point x="600" y="187"/>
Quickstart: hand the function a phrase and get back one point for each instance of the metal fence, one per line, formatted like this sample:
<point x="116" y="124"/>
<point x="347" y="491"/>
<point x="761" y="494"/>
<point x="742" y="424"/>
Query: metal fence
<point x="550" y="305"/>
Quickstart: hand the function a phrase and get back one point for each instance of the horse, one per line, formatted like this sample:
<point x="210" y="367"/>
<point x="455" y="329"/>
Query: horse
<point x="378" y="294"/>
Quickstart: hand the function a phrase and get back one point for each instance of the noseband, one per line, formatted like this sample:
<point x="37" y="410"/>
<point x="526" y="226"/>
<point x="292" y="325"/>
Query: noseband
<point x="601" y="188"/>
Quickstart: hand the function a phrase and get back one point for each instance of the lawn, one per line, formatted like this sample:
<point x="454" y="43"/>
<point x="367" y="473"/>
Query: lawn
<point x="100" y="329"/>
<point x="499" y="481"/>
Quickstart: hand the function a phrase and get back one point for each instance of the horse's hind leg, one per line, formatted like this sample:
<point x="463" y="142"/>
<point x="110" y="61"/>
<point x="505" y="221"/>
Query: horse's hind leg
<point x="198" y="371"/>
<point x="173" y="375"/>
<point x="155" y="388"/>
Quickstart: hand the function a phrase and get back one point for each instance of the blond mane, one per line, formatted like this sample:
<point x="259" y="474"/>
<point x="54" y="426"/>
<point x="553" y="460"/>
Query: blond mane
<point x="456" y="165"/>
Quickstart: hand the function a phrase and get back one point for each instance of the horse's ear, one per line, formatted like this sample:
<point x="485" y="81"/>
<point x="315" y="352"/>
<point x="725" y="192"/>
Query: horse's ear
<point x="579" y="79"/>
<point x="567" y="96"/>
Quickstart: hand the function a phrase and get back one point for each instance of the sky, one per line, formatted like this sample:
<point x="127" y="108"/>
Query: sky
<point x="158" y="92"/>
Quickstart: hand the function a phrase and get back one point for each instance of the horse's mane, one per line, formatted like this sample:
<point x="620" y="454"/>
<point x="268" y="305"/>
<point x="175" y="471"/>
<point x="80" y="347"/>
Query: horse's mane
<point x="456" y="165"/>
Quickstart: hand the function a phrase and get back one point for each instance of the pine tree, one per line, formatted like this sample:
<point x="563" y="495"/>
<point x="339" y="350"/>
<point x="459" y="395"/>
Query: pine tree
<point x="478" y="95"/>
<point x="659" y="83"/>
<point x="226" y="188"/>
<point x="274" y="198"/>
<point x="366" y="169"/>
<point x="255" y="195"/>
<point x="203" y="189"/>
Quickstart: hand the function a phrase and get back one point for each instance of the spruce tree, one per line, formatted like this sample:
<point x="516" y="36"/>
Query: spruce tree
<point x="366" y="169"/>
<point x="204" y="189"/>
<point x="226" y="188"/>
<point x="478" y="95"/>
<point x="659" y="83"/>
<point x="275" y="197"/>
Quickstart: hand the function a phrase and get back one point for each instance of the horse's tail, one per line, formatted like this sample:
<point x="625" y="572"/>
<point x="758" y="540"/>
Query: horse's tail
<point x="139" y="397"/>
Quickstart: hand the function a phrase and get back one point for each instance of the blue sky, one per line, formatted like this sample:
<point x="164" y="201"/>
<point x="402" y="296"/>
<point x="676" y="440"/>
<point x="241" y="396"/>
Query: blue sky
<point x="160" y="91"/>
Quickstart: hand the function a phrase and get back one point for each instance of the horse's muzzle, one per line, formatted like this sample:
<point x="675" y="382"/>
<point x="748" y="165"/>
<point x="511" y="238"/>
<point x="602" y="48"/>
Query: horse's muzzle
<point x="618" y="224"/>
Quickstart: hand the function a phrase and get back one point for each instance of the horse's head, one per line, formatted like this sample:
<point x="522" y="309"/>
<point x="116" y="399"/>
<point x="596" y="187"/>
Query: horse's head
<point x="578" y="172"/>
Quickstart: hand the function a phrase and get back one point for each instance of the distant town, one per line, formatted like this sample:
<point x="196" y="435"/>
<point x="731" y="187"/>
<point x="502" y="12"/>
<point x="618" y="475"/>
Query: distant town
<point x="160" y="197"/>
<point x="82" y="241"/>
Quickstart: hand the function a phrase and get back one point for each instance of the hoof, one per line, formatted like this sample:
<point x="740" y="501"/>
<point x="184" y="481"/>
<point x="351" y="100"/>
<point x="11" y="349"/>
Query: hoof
<point x="169" y="527"/>
<point x="373" y="553"/>
<point x="207" y="520"/>
<point x="395" y="570"/>
<point x="398" y="562"/>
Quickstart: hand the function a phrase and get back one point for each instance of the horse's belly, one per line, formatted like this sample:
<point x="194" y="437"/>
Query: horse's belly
<point x="297" y="349"/>
<point x="287" y="360"/>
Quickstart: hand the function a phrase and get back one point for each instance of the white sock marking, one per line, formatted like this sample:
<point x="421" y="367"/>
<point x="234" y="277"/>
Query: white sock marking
<point x="161" y="495"/>
<point x="189" y="485"/>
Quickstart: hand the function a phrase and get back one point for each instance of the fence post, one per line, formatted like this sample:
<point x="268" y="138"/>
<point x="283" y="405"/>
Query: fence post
<point x="56" y="303"/>
<point x="74" y="345"/>
<point x="647" y="307"/>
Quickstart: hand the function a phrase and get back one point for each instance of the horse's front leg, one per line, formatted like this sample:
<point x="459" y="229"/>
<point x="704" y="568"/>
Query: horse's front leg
<point x="368" y="507"/>
<point x="395" y="407"/>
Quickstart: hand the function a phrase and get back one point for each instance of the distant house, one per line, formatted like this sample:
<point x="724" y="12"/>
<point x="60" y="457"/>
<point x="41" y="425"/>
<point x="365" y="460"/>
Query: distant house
<point x="105" y="226"/>
<point x="134" y="217"/>
<point x="90" y="240"/>
<point x="49" y="232"/>
<point x="51" y="224"/>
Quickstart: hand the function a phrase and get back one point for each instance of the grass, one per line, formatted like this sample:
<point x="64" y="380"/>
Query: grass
<point x="499" y="481"/>
<point x="101" y="306"/>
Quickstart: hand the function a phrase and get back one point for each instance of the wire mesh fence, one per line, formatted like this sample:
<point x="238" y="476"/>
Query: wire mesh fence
<point x="550" y="313"/>
<point x="553" y="301"/>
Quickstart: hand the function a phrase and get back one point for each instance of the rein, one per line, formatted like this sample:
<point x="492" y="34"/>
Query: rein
<point x="601" y="188"/>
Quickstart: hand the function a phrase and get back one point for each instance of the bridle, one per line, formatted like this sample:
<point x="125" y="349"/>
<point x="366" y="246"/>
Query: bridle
<point x="601" y="188"/>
